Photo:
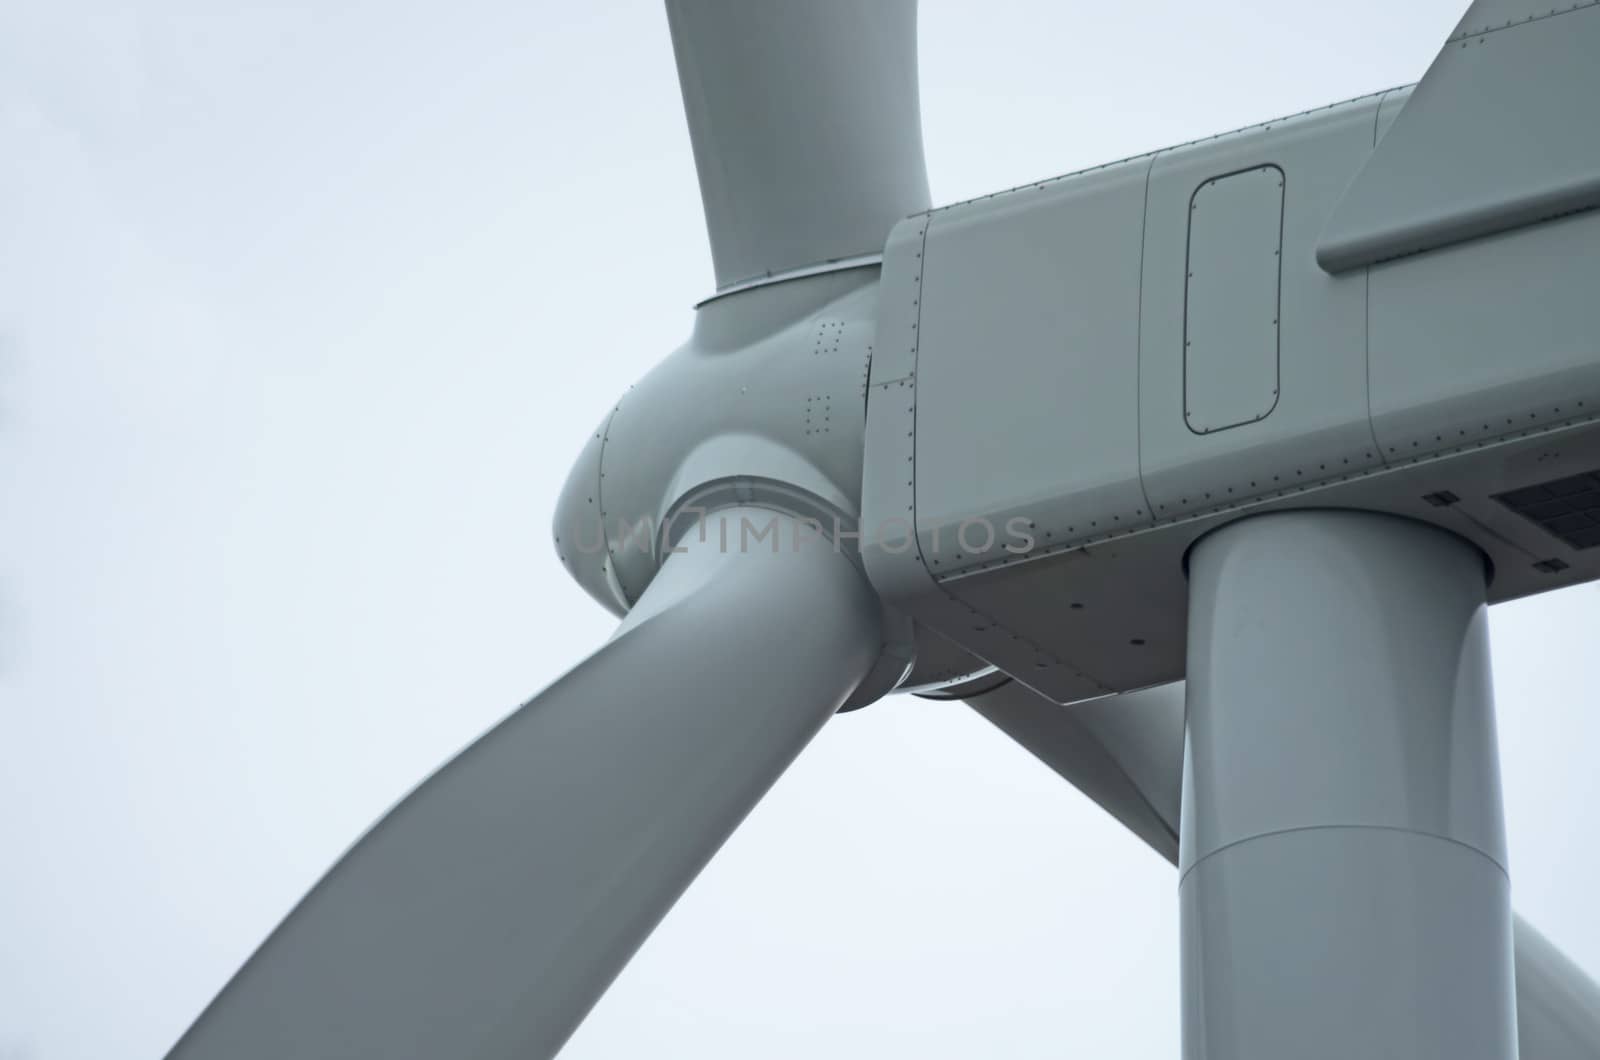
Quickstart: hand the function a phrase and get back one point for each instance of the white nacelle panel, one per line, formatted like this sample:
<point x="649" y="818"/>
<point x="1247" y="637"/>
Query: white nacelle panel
<point x="1027" y="362"/>
<point x="1317" y="428"/>
<point x="1486" y="338"/>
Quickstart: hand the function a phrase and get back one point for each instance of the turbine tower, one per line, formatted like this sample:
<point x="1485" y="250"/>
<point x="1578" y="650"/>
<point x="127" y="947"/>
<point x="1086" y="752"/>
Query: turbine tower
<point x="1278" y="413"/>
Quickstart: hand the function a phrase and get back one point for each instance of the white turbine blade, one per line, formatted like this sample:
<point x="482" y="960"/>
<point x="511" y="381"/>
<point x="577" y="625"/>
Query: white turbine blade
<point x="806" y="127"/>
<point x="1558" y="1006"/>
<point x="1126" y="753"/>
<point x="490" y="909"/>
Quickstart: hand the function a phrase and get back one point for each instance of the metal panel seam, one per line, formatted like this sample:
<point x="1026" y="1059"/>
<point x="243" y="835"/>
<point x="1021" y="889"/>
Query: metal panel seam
<point x="600" y="499"/>
<point x="1462" y="36"/>
<point x="1345" y="827"/>
<point x="1138" y="340"/>
<point x="1366" y="308"/>
<point x="1251" y="503"/>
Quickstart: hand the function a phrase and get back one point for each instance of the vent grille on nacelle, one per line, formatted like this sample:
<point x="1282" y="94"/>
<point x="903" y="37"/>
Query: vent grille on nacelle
<point x="1568" y="508"/>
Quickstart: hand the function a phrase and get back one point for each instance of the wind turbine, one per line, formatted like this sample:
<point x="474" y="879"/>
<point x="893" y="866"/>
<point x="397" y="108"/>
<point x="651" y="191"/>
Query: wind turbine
<point x="1278" y="412"/>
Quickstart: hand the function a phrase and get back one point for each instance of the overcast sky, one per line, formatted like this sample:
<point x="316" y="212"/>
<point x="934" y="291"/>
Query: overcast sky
<point x="306" y="308"/>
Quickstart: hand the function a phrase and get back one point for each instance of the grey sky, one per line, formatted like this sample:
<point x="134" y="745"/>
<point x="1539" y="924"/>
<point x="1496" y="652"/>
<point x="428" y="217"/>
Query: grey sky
<point x="305" y="309"/>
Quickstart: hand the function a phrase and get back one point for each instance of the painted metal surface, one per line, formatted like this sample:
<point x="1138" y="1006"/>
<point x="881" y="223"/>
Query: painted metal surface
<point x="1318" y="428"/>
<point x="763" y="402"/>
<point x="1497" y="136"/>
<point x="1482" y="339"/>
<point x="1343" y="884"/>
<point x="1126" y="753"/>
<point x="1017" y="312"/>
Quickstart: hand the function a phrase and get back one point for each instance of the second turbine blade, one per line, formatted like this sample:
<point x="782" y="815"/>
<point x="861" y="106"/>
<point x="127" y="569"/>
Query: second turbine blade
<point x="490" y="909"/>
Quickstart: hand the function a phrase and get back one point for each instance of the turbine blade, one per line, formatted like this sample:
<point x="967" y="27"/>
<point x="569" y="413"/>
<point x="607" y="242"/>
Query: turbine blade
<point x="486" y="913"/>
<point x="806" y="127"/>
<point x="1126" y="753"/>
<point x="1558" y="1006"/>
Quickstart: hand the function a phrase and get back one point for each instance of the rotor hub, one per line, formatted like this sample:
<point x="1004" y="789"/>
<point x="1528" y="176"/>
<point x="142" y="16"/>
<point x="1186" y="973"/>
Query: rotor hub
<point x="763" y="407"/>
